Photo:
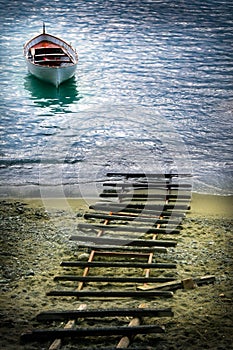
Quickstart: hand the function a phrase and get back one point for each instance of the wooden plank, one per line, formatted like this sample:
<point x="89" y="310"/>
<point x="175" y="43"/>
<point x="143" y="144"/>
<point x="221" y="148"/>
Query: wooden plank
<point x="161" y="206"/>
<point x="125" y="254"/>
<point x="126" y="242"/>
<point x="113" y="279"/>
<point x="100" y="313"/>
<point x="131" y="211"/>
<point x="148" y="175"/>
<point x="111" y="294"/>
<point x="118" y="264"/>
<point x="49" y="61"/>
<point x="139" y="196"/>
<point x="162" y="185"/>
<point x="139" y="208"/>
<point x="57" y="54"/>
<point x="126" y="217"/>
<point x="116" y="247"/>
<point x="126" y="228"/>
<point x="174" y="285"/>
<point x="204" y="280"/>
<point x="139" y="212"/>
<point x="43" y="335"/>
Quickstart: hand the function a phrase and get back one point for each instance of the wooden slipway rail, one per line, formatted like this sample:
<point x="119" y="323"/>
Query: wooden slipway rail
<point x="128" y="232"/>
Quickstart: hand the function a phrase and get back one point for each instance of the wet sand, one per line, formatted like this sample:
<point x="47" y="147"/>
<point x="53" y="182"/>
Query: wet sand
<point x="35" y="239"/>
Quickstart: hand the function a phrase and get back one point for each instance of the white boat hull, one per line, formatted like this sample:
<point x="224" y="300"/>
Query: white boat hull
<point x="52" y="75"/>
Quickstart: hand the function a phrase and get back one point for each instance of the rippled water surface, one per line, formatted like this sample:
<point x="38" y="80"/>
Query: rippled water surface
<point x="153" y="92"/>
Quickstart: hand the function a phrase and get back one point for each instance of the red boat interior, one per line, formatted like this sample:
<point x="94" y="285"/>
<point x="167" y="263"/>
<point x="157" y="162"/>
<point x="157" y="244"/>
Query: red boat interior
<point x="49" y="54"/>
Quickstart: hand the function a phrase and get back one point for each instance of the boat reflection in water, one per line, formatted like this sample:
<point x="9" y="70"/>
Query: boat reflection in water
<point x="46" y="95"/>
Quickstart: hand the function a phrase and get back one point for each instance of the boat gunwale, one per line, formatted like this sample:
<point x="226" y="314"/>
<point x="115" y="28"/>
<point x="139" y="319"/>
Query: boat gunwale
<point x="27" y="46"/>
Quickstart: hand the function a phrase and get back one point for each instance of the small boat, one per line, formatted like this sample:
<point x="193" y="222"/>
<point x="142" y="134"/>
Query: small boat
<point x="50" y="59"/>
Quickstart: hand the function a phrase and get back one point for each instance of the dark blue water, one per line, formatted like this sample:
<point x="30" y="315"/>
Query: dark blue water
<point x="153" y="92"/>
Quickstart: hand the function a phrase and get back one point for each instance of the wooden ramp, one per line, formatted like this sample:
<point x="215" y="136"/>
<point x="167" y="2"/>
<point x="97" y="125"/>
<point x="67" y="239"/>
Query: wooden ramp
<point x="131" y="229"/>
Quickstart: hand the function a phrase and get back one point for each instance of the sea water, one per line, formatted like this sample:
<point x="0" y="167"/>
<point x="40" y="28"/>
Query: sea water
<point x="153" y="92"/>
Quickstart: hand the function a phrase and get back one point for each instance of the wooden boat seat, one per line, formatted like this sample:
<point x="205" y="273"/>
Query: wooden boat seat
<point x="47" y="50"/>
<point x="51" y="54"/>
<point x="52" y="62"/>
<point x="54" y="58"/>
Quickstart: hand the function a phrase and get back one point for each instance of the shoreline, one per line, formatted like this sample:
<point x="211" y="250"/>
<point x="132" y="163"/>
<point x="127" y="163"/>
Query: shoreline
<point x="201" y="203"/>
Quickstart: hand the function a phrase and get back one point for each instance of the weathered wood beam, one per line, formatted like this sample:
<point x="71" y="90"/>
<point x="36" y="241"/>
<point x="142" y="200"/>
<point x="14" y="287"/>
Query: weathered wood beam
<point x="174" y="285"/>
<point x="113" y="279"/>
<point x="128" y="228"/>
<point x="155" y="207"/>
<point x="163" y="185"/>
<point x="149" y="175"/>
<point x="122" y="248"/>
<point x="111" y="294"/>
<point x="108" y="207"/>
<point x="145" y="196"/>
<point x="43" y="335"/>
<point x="126" y="242"/>
<point x="118" y="264"/>
<point x="99" y="313"/>
<point x="136" y="219"/>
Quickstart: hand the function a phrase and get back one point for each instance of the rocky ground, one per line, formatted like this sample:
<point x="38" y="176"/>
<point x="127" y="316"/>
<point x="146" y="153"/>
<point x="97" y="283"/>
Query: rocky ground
<point x="34" y="239"/>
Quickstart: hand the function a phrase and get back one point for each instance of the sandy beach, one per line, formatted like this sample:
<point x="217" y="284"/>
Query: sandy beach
<point x="35" y="239"/>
